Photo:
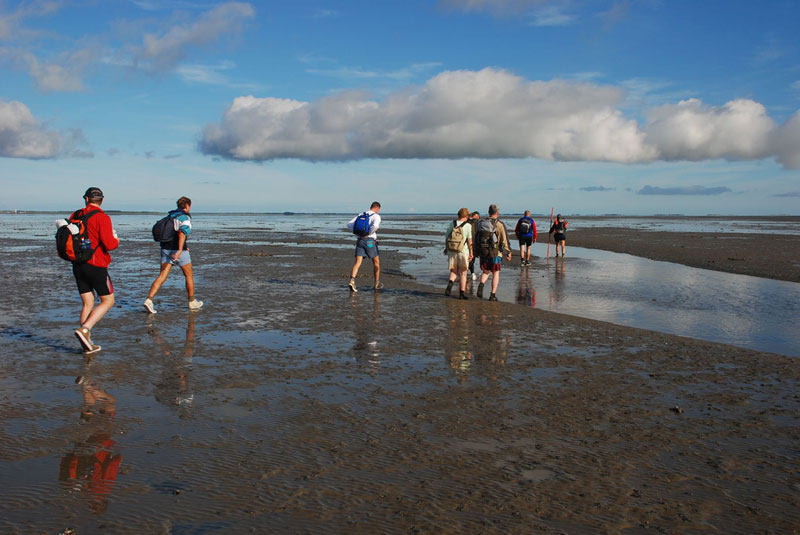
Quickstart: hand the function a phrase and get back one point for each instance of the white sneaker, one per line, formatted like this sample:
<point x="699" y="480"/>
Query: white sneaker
<point x="148" y="305"/>
<point x="194" y="304"/>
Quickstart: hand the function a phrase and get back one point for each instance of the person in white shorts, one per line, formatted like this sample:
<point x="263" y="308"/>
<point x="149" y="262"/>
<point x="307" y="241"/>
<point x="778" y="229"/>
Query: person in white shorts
<point x="458" y="244"/>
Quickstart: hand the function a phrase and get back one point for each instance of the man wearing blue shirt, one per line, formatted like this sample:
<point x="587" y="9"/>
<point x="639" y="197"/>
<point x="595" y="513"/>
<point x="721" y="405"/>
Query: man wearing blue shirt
<point x="176" y="252"/>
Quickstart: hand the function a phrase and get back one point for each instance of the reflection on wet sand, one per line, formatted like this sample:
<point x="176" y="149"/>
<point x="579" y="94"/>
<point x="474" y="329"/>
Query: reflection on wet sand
<point x="458" y="347"/>
<point x="558" y="280"/>
<point x="475" y="341"/>
<point x="492" y="343"/>
<point x="365" y="328"/>
<point x="526" y="293"/>
<point x="174" y="387"/>
<point x="92" y="467"/>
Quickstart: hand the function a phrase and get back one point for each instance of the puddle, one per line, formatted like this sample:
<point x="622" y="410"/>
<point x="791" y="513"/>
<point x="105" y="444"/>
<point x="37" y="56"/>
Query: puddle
<point x="745" y="311"/>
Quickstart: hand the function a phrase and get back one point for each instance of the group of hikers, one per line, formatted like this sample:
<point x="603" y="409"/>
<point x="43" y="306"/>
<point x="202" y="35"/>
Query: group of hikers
<point x="468" y="237"/>
<point x="87" y="238"/>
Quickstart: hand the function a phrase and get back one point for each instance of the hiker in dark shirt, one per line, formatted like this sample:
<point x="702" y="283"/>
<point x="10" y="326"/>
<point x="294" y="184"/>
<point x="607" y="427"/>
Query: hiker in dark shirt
<point x="559" y="231"/>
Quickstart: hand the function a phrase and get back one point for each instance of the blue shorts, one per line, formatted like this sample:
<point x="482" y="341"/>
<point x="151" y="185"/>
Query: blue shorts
<point x="183" y="260"/>
<point x="367" y="247"/>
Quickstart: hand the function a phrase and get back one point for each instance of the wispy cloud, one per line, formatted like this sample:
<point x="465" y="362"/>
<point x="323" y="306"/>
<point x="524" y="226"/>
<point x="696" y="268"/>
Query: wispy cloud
<point x="350" y="73"/>
<point x="596" y="188"/>
<point x="552" y="15"/>
<point x="212" y="75"/>
<point x="686" y="190"/>
<point x="162" y="5"/>
<point x="788" y="194"/>
<point x="162" y="51"/>
<point x="325" y="13"/>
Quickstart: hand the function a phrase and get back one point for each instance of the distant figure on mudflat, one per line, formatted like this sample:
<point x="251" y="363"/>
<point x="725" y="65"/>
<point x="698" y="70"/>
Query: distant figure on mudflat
<point x="365" y="225"/>
<point x="526" y="236"/>
<point x="559" y="231"/>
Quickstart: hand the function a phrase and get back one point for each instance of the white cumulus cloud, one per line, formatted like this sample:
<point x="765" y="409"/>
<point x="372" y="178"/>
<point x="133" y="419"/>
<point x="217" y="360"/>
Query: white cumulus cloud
<point x="23" y="136"/>
<point x="457" y="114"/>
<point x="495" y="114"/>
<point x="738" y="130"/>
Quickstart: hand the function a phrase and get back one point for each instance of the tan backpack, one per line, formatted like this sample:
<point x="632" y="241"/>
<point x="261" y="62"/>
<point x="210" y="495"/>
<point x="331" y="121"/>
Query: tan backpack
<point x="456" y="239"/>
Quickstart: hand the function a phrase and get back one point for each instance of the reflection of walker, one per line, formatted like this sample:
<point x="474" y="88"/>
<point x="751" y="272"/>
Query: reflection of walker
<point x="174" y="387"/>
<point x="92" y="466"/>
<point x="559" y="277"/>
<point x="527" y="293"/>
<point x="458" y="351"/>
<point x="365" y="326"/>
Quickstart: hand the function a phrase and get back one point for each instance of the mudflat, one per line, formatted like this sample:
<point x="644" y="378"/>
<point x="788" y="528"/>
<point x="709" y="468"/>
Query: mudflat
<point x="773" y="256"/>
<point x="289" y="405"/>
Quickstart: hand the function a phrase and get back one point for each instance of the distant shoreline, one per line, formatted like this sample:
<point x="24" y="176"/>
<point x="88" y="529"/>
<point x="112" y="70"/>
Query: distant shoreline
<point x="772" y="217"/>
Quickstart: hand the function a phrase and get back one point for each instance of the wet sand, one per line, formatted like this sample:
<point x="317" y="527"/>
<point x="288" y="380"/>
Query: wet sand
<point x="287" y="405"/>
<point x="774" y="256"/>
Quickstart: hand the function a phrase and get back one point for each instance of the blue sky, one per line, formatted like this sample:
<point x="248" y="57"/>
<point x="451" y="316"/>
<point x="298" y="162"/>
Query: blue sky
<point x="591" y="107"/>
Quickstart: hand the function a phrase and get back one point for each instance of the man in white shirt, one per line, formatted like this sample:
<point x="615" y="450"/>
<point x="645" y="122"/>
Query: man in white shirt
<point x="367" y="244"/>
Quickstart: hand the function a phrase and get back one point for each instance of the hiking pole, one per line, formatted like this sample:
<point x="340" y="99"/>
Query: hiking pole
<point x="548" y="234"/>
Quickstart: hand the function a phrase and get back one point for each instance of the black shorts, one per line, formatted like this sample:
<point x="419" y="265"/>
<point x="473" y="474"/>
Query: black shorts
<point x="559" y="237"/>
<point x="92" y="278"/>
<point x="525" y="240"/>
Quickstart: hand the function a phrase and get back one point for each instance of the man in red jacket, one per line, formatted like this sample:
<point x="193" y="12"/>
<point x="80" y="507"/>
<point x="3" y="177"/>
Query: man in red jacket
<point x="92" y="276"/>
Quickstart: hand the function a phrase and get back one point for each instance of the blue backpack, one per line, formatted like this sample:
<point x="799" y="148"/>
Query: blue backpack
<point x="361" y="225"/>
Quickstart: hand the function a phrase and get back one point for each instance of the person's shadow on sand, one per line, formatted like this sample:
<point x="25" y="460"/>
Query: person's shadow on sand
<point x="18" y="333"/>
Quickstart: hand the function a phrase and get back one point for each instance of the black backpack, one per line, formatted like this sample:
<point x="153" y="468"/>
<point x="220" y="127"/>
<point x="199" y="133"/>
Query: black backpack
<point x="164" y="229"/>
<point x="488" y="241"/>
<point x="524" y="226"/>
<point x="72" y="240"/>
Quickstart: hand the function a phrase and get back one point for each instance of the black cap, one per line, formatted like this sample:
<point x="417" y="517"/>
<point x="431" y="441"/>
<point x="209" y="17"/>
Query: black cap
<point x="557" y="216"/>
<point x="94" y="193"/>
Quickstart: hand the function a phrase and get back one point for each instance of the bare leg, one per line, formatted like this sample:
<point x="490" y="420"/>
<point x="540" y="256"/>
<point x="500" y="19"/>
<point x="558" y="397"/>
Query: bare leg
<point x="453" y="275"/>
<point x="495" y="281"/>
<point x="90" y="316"/>
<point x="376" y="268"/>
<point x="87" y="305"/>
<point x="356" y="265"/>
<point x="189" y="274"/>
<point x="462" y="285"/>
<point x="162" y="277"/>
